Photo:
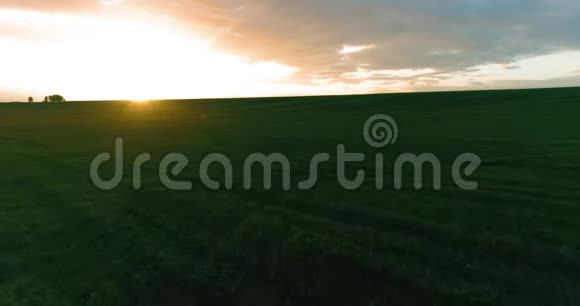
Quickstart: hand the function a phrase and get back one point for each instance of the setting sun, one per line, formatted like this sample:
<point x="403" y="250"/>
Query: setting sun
<point x="129" y="57"/>
<point x="140" y="101"/>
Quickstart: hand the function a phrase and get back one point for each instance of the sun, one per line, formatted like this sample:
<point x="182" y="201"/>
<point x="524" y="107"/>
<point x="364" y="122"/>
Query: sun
<point x="140" y="101"/>
<point x="130" y="57"/>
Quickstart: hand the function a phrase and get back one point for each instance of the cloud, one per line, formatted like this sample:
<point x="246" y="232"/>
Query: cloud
<point x="111" y="3"/>
<point x="556" y="69"/>
<point x="362" y="73"/>
<point x="444" y="52"/>
<point x="538" y="68"/>
<point x="442" y="34"/>
<point x="51" y="5"/>
<point x="349" y="49"/>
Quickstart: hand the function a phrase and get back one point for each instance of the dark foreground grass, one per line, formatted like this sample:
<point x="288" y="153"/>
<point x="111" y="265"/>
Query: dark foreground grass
<point x="515" y="241"/>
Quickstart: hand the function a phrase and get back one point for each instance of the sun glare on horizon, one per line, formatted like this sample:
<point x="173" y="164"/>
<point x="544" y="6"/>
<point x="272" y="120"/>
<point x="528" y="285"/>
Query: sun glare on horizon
<point x="140" y="101"/>
<point x="135" y="57"/>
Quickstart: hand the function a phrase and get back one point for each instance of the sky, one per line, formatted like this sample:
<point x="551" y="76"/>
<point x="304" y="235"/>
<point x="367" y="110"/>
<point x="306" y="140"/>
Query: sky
<point x="173" y="49"/>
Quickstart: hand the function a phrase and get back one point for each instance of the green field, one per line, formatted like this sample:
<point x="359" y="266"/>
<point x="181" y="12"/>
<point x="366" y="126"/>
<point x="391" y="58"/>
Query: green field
<point x="514" y="241"/>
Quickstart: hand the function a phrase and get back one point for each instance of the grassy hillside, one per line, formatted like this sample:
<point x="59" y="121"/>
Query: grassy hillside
<point x="514" y="241"/>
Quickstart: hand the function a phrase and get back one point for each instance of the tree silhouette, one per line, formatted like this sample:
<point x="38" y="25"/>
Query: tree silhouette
<point x="30" y="99"/>
<point x="45" y="100"/>
<point x="56" y="98"/>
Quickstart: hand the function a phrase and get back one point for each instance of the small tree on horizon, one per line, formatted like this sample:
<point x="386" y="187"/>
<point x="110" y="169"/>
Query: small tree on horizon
<point x="56" y="98"/>
<point x="45" y="100"/>
<point x="30" y="99"/>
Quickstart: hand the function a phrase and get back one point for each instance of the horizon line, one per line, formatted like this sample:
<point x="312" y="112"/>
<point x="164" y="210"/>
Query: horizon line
<point x="308" y="96"/>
